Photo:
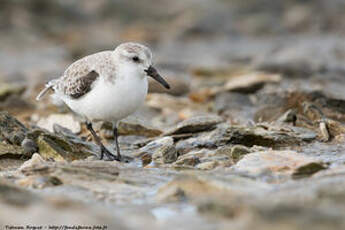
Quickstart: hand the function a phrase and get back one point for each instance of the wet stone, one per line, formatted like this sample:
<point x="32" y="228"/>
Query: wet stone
<point x="11" y="130"/>
<point x="35" y="160"/>
<point x="159" y="149"/>
<point x="208" y="165"/>
<point x="285" y="163"/>
<point x="130" y="128"/>
<point x="39" y="182"/>
<point x="269" y="136"/>
<point x="166" y="154"/>
<point x="187" y="161"/>
<point x="251" y="82"/>
<point x="238" y="151"/>
<point x="195" y="124"/>
<point x="212" y="139"/>
<point x="60" y="148"/>
<point x="11" y="151"/>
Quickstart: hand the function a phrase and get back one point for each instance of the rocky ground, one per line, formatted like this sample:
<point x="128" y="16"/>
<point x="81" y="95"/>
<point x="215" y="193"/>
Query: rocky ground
<point x="251" y="135"/>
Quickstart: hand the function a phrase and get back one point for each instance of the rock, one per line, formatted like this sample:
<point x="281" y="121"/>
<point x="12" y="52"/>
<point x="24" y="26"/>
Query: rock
<point x="64" y="120"/>
<point x="334" y="128"/>
<point x="288" y="163"/>
<point x="308" y="169"/>
<point x="76" y="171"/>
<point x="208" y="165"/>
<point x="247" y="83"/>
<point x="217" y="137"/>
<point x="167" y="154"/>
<point x="35" y="161"/>
<point x="269" y="135"/>
<point x="324" y="131"/>
<point x="186" y="187"/>
<point x="11" y="151"/>
<point x="195" y="124"/>
<point x="128" y="128"/>
<point x="39" y="182"/>
<point x="238" y="151"/>
<point x="7" y="89"/>
<point x="11" y="130"/>
<point x="161" y="150"/>
<point x="61" y="147"/>
<point x="187" y="161"/>
<point x="146" y="159"/>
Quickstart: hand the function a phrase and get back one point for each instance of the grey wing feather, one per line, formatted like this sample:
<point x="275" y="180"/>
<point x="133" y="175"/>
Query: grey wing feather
<point x="80" y="75"/>
<point x="81" y="85"/>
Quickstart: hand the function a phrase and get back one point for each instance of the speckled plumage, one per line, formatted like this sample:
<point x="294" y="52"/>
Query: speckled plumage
<point x="77" y="80"/>
<point x="107" y="85"/>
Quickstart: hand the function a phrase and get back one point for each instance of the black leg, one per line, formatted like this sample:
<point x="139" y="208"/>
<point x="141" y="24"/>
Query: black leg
<point x="117" y="142"/>
<point x="109" y="155"/>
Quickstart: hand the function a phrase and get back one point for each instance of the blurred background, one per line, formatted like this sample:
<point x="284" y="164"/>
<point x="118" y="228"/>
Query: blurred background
<point x="40" y="38"/>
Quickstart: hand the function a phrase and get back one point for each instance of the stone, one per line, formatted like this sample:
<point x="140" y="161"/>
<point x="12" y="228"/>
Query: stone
<point x="247" y="82"/>
<point x="11" y="130"/>
<point x="324" y="131"/>
<point x="195" y="124"/>
<point x="287" y="163"/>
<point x="269" y="135"/>
<point x="35" y="161"/>
<point x="62" y="147"/>
<point x="64" y="120"/>
<point x="39" y="182"/>
<point x="251" y="82"/>
<point x="186" y="188"/>
<point x="208" y="165"/>
<point x="238" y="151"/>
<point x="213" y="139"/>
<point x="187" y="161"/>
<point x="130" y="128"/>
<point x="161" y="150"/>
<point x="11" y="151"/>
<point x="167" y="154"/>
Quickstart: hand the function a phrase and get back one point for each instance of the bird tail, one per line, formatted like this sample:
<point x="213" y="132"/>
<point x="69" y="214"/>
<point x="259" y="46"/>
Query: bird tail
<point x="49" y="85"/>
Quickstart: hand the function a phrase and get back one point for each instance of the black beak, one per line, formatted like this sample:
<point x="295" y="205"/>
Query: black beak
<point x="152" y="72"/>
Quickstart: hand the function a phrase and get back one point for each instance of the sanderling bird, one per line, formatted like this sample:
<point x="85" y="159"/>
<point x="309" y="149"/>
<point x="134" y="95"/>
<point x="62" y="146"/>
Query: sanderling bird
<point x="106" y="86"/>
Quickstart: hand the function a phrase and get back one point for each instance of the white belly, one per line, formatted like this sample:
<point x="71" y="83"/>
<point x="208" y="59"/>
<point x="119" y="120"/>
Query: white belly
<point x="111" y="101"/>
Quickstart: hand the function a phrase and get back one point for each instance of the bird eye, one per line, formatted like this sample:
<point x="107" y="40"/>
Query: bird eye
<point x="135" y="59"/>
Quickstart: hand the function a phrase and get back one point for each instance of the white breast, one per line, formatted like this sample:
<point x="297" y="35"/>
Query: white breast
<point x="111" y="101"/>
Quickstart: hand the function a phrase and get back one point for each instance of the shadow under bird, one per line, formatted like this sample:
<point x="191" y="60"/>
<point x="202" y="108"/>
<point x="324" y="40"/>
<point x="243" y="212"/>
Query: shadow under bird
<point x="106" y="86"/>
